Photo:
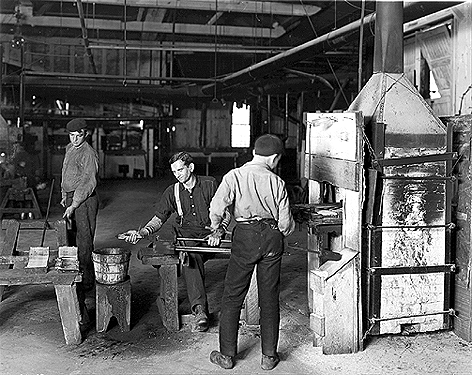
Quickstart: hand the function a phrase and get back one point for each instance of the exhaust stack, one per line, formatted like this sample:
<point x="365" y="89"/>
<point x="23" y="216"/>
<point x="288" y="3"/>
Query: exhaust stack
<point x="410" y="229"/>
<point x="395" y="112"/>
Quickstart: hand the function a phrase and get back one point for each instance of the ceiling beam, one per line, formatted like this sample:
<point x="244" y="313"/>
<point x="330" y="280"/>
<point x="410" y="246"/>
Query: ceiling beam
<point x="237" y="6"/>
<point x="149" y="27"/>
<point x="153" y="46"/>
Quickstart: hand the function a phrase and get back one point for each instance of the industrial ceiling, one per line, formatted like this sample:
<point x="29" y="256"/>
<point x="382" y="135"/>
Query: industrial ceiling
<point x="225" y="49"/>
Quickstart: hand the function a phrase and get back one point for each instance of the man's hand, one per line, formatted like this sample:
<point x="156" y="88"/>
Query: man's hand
<point x="63" y="202"/>
<point x="68" y="212"/>
<point x="214" y="238"/>
<point x="131" y="236"/>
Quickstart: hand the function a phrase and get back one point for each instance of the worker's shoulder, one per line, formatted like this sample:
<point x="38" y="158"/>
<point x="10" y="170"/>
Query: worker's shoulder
<point x="88" y="148"/>
<point x="206" y="179"/>
<point x="256" y="169"/>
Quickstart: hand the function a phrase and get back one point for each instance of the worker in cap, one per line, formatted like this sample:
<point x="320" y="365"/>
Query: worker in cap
<point x="259" y="203"/>
<point x="76" y="125"/>
<point x="79" y="181"/>
<point x="268" y="144"/>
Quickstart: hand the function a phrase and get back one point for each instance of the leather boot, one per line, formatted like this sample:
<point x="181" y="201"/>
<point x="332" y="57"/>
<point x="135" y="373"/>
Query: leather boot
<point x="201" y="319"/>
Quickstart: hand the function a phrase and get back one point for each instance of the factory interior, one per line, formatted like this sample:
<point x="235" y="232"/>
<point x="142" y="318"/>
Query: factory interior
<point x="373" y="103"/>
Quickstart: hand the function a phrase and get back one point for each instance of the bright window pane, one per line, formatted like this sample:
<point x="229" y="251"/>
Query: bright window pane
<point x="240" y="127"/>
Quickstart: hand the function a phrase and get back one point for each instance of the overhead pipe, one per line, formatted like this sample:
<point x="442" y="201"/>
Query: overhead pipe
<point x="310" y="76"/>
<point x="114" y="77"/>
<point x="130" y="90"/>
<point x="80" y="9"/>
<point x="221" y="48"/>
<point x="334" y="38"/>
<point x="337" y="37"/>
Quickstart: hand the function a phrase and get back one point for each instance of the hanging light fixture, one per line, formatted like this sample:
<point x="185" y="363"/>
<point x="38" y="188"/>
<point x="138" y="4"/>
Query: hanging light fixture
<point x="17" y="40"/>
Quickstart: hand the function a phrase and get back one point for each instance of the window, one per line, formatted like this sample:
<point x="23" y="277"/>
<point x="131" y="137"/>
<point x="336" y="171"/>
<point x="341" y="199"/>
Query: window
<point x="240" y="127"/>
<point x="433" y="88"/>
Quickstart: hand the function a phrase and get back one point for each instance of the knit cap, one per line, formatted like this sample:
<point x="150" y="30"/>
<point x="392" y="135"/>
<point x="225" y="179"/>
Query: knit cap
<point x="268" y="144"/>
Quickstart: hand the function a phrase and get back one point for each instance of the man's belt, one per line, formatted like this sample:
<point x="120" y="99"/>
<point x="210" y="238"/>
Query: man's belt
<point x="70" y="194"/>
<point x="256" y="221"/>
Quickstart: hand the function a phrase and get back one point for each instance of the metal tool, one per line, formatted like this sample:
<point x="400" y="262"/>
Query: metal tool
<point x="197" y="239"/>
<point x="179" y="246"/>
<point x="47" y="213"/>
<point x="324" y="254"/>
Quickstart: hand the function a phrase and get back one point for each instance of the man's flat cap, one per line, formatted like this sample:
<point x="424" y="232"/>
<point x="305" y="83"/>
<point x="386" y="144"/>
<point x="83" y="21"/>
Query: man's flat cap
<point x="268" y="144"/>
<point x="76" y="124"/>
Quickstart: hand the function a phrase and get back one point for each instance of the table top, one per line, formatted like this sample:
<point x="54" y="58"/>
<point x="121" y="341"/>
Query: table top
<point x="22" y="276"/>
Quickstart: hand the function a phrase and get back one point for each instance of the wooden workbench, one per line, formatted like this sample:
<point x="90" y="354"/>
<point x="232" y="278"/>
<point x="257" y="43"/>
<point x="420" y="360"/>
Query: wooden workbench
<point x="13" y="272"/>
<point x="168" y="263"/>
<point x="167" y="301"/>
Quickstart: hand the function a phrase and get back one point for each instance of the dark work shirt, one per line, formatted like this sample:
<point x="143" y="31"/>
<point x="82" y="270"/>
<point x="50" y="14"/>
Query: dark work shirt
<point x="194" y="204"/>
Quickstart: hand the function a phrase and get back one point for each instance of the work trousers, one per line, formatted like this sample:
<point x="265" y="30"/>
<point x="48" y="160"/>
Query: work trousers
<point x="258" y="245"/>
<point x="194" y="271"/>
<point x="82" y="234"/>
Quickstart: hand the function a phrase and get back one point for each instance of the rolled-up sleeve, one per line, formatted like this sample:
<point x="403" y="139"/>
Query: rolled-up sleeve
<point x="220" y="202"/>
<point x="285" y="222"/>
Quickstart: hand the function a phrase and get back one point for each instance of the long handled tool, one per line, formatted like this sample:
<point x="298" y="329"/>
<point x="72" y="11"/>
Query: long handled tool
<point x="323" y="253"/>
<point x="47" y="213"/>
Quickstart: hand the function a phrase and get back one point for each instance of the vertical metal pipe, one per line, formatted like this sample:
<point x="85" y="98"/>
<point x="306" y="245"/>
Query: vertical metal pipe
<point x="22" y="85"/>
<point x="80" y="9"/>
<point x="203" y="125"/>
<point x="286" y="116"/>
<point x="160" y="143"/>
<point x="1" y="75"/>
<point x="361" y="46"/>
<point x="125" y="68"/>
<point x="300" y="135"/>
<point x="301" y="131"/>
<point x="268" y="113"/>
<point x="388" y="47"/>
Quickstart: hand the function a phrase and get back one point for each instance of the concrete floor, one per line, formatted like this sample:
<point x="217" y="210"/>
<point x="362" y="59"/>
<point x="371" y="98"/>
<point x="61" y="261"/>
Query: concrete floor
<point x="31" y="340"/>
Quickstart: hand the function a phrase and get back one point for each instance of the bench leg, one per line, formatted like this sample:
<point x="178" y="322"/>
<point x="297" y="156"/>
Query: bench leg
<point x="69" y="310"/>
<point x="167" y="301"/>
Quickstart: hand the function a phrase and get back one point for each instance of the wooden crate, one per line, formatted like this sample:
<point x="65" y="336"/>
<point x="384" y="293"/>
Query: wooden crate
<point x="335" y="315"/>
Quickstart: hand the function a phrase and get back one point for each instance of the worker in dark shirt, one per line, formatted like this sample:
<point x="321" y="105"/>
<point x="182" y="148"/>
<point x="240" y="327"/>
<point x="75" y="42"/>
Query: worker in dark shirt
<point x="260" y="205"/>
<point x="190" y="198"/>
